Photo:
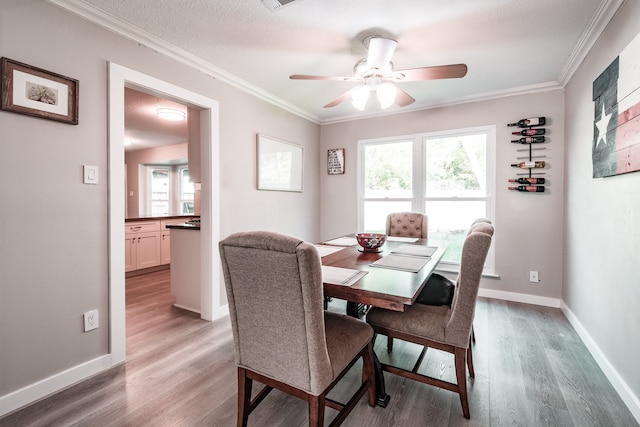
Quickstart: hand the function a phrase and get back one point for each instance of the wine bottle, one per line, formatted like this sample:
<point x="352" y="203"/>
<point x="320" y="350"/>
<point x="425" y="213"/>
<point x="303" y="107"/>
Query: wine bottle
<point x="528" y="165"/>
<point x="525" y="123"/>
<point x="528" y="181"/>
<point x="529" y="132"/>
<point x="528" y="140"/>
<point x="529" y="188"/>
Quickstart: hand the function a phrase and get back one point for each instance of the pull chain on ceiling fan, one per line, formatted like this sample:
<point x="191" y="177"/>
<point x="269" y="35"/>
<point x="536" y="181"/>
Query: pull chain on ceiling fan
<point x="375" y="74"/>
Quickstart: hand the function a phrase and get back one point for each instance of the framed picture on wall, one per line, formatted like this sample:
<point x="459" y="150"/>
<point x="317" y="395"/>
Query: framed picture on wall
<point x="335" y="161"/>
<point x="38" y="93"/>
<point x="279" y="164"/>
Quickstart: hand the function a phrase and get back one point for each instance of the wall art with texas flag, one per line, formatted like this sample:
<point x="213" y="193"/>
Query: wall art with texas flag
<point x="616" y="126"/>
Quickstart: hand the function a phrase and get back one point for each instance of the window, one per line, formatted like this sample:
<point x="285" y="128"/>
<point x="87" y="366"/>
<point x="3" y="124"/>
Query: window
<point x="447" y="175"/>
<point x="187" y="190"/>
<point x="159" y="177"/>
<point x="166" y="190"/>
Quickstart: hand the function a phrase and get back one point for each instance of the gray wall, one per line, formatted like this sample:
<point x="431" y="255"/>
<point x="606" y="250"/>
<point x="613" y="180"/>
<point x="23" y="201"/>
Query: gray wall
<point x="528" y="226"/>
<point x="602" y="224"/>
<point x="53" y="228"/>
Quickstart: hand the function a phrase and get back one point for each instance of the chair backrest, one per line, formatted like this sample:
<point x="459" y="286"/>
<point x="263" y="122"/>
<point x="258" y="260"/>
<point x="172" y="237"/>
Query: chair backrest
<point x="474" y="254"/>
<point x="487" y="220"/>
<point x="274" y="289"/>
<point x="407" y="224"/>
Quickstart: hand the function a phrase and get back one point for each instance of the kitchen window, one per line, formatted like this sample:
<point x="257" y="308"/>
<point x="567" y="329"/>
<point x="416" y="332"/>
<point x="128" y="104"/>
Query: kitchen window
<point x="166" y="190"/>
<point x="447" y="175"/>
<point x="186" y="190"/>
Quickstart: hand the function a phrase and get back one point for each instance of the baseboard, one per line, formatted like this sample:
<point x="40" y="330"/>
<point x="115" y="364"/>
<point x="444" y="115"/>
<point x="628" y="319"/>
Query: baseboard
<point x="41" y="389"/>
<point x="516" y="297"/>
<point x="221" y="312"/>
<point x="618" y="383"/>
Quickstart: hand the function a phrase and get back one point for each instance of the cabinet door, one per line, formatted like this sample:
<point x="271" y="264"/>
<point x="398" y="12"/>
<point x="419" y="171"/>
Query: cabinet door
<point x="129" y="252"/>
<point x="165" y="247"/>
<point x="147" y="249"/>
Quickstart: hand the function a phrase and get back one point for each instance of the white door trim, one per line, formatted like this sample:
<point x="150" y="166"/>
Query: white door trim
<point x="211" y="304"/>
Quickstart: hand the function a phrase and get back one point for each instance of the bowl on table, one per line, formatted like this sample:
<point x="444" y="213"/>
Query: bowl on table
<point x="371" y="242"/>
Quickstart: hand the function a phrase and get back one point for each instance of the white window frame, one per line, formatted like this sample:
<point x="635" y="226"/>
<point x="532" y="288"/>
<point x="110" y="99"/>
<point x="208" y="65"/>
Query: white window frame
<point x="419" y="198"/>
<point x="175" y="192"/>
<point x="180" y="190"/>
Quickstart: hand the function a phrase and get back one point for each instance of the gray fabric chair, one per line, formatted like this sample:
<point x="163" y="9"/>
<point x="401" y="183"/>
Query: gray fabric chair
<point x="407" y="224"/>
<point x="441" y="327"/>
<point x="283" y="338"/>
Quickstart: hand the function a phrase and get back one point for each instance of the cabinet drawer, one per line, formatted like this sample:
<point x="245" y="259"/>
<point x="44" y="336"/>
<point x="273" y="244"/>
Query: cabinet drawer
<point x="138" y="227"/>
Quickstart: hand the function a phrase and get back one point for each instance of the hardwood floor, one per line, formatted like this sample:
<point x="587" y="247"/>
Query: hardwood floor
<point x="531" y="370"/>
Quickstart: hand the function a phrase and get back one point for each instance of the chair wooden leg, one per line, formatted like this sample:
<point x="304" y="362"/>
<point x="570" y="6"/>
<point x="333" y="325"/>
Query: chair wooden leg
<point x="316" y="410"/>
<point x="473" y="334"/>
<point x="460" y="362"/>
<point x="389" y="344"/>
<point x="244" y="397"/>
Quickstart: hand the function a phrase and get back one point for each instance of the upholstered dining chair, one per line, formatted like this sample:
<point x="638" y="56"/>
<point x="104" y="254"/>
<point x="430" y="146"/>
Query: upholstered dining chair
<point x="407" y="224"/>
<point x="442" y="327"/>
<point x="442" y="284"/>
<point x="283" y="337"/>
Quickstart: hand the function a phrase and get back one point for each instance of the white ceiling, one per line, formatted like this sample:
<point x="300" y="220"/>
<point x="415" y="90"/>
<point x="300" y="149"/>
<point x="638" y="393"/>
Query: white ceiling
<point x="144" y="129"/>
<point x="509" y="46"/>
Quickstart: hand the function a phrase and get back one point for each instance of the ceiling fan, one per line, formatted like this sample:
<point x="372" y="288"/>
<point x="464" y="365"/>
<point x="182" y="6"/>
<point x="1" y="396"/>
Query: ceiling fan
<point x="376" y="74"/>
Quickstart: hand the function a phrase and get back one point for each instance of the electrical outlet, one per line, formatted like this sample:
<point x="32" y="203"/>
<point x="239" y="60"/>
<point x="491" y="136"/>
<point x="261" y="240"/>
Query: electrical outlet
<point x="533" y="277"/>
<point x="91" y="320"/>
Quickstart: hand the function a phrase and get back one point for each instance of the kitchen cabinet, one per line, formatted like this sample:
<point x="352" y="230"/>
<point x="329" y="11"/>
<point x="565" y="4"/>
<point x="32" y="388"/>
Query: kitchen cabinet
<point x="142" y="245"/>
<point x="165" y="239"/>
<point x="165" y="247"/>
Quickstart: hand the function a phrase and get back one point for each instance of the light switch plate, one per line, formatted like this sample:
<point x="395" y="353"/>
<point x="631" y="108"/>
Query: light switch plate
<point x="90" y="174"/>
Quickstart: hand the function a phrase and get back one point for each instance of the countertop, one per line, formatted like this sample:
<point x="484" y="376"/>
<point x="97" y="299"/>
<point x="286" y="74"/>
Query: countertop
<point x="150" y="218"/>
<point x="185" y="226"/>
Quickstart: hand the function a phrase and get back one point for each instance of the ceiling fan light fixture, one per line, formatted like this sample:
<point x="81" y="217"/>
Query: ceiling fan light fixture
<point x="171" y="114"/>
<point x="386" y="93"/>
<point x="360" y="96"/>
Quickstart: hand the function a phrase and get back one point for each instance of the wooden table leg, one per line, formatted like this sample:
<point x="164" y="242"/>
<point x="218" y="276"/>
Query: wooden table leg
<point x="354" y="310"/>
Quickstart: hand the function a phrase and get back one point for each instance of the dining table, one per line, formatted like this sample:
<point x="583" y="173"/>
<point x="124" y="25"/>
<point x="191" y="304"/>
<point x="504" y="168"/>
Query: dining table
<point x="391" y="277"/>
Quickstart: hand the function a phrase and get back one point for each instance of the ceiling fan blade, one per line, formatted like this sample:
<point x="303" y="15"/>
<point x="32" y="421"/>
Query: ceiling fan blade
<point x="380" y="52"/>
<point x="453" y="71"/>
<point x="308" y="77"/>
<point x="341" y="98"/>
<point x="403" y="98"/>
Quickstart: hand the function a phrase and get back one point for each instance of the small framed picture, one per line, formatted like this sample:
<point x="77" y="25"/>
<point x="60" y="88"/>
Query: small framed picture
<point x="39" y="93"/>
<point x="335" y="161"/>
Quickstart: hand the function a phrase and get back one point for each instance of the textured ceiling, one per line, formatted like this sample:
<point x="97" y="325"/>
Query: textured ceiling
<point x="510" y="46"/>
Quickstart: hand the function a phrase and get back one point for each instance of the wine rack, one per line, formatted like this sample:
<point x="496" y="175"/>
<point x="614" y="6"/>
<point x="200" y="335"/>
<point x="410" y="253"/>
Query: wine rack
<point x="531" y="136"/>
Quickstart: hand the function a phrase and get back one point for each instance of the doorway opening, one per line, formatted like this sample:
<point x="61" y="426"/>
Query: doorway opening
<point x="210" y="289"/>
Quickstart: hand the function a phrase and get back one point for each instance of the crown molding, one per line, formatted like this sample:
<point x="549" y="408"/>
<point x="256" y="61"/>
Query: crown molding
<point x="598" y="23"/>
<point x="115" y="25"/>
